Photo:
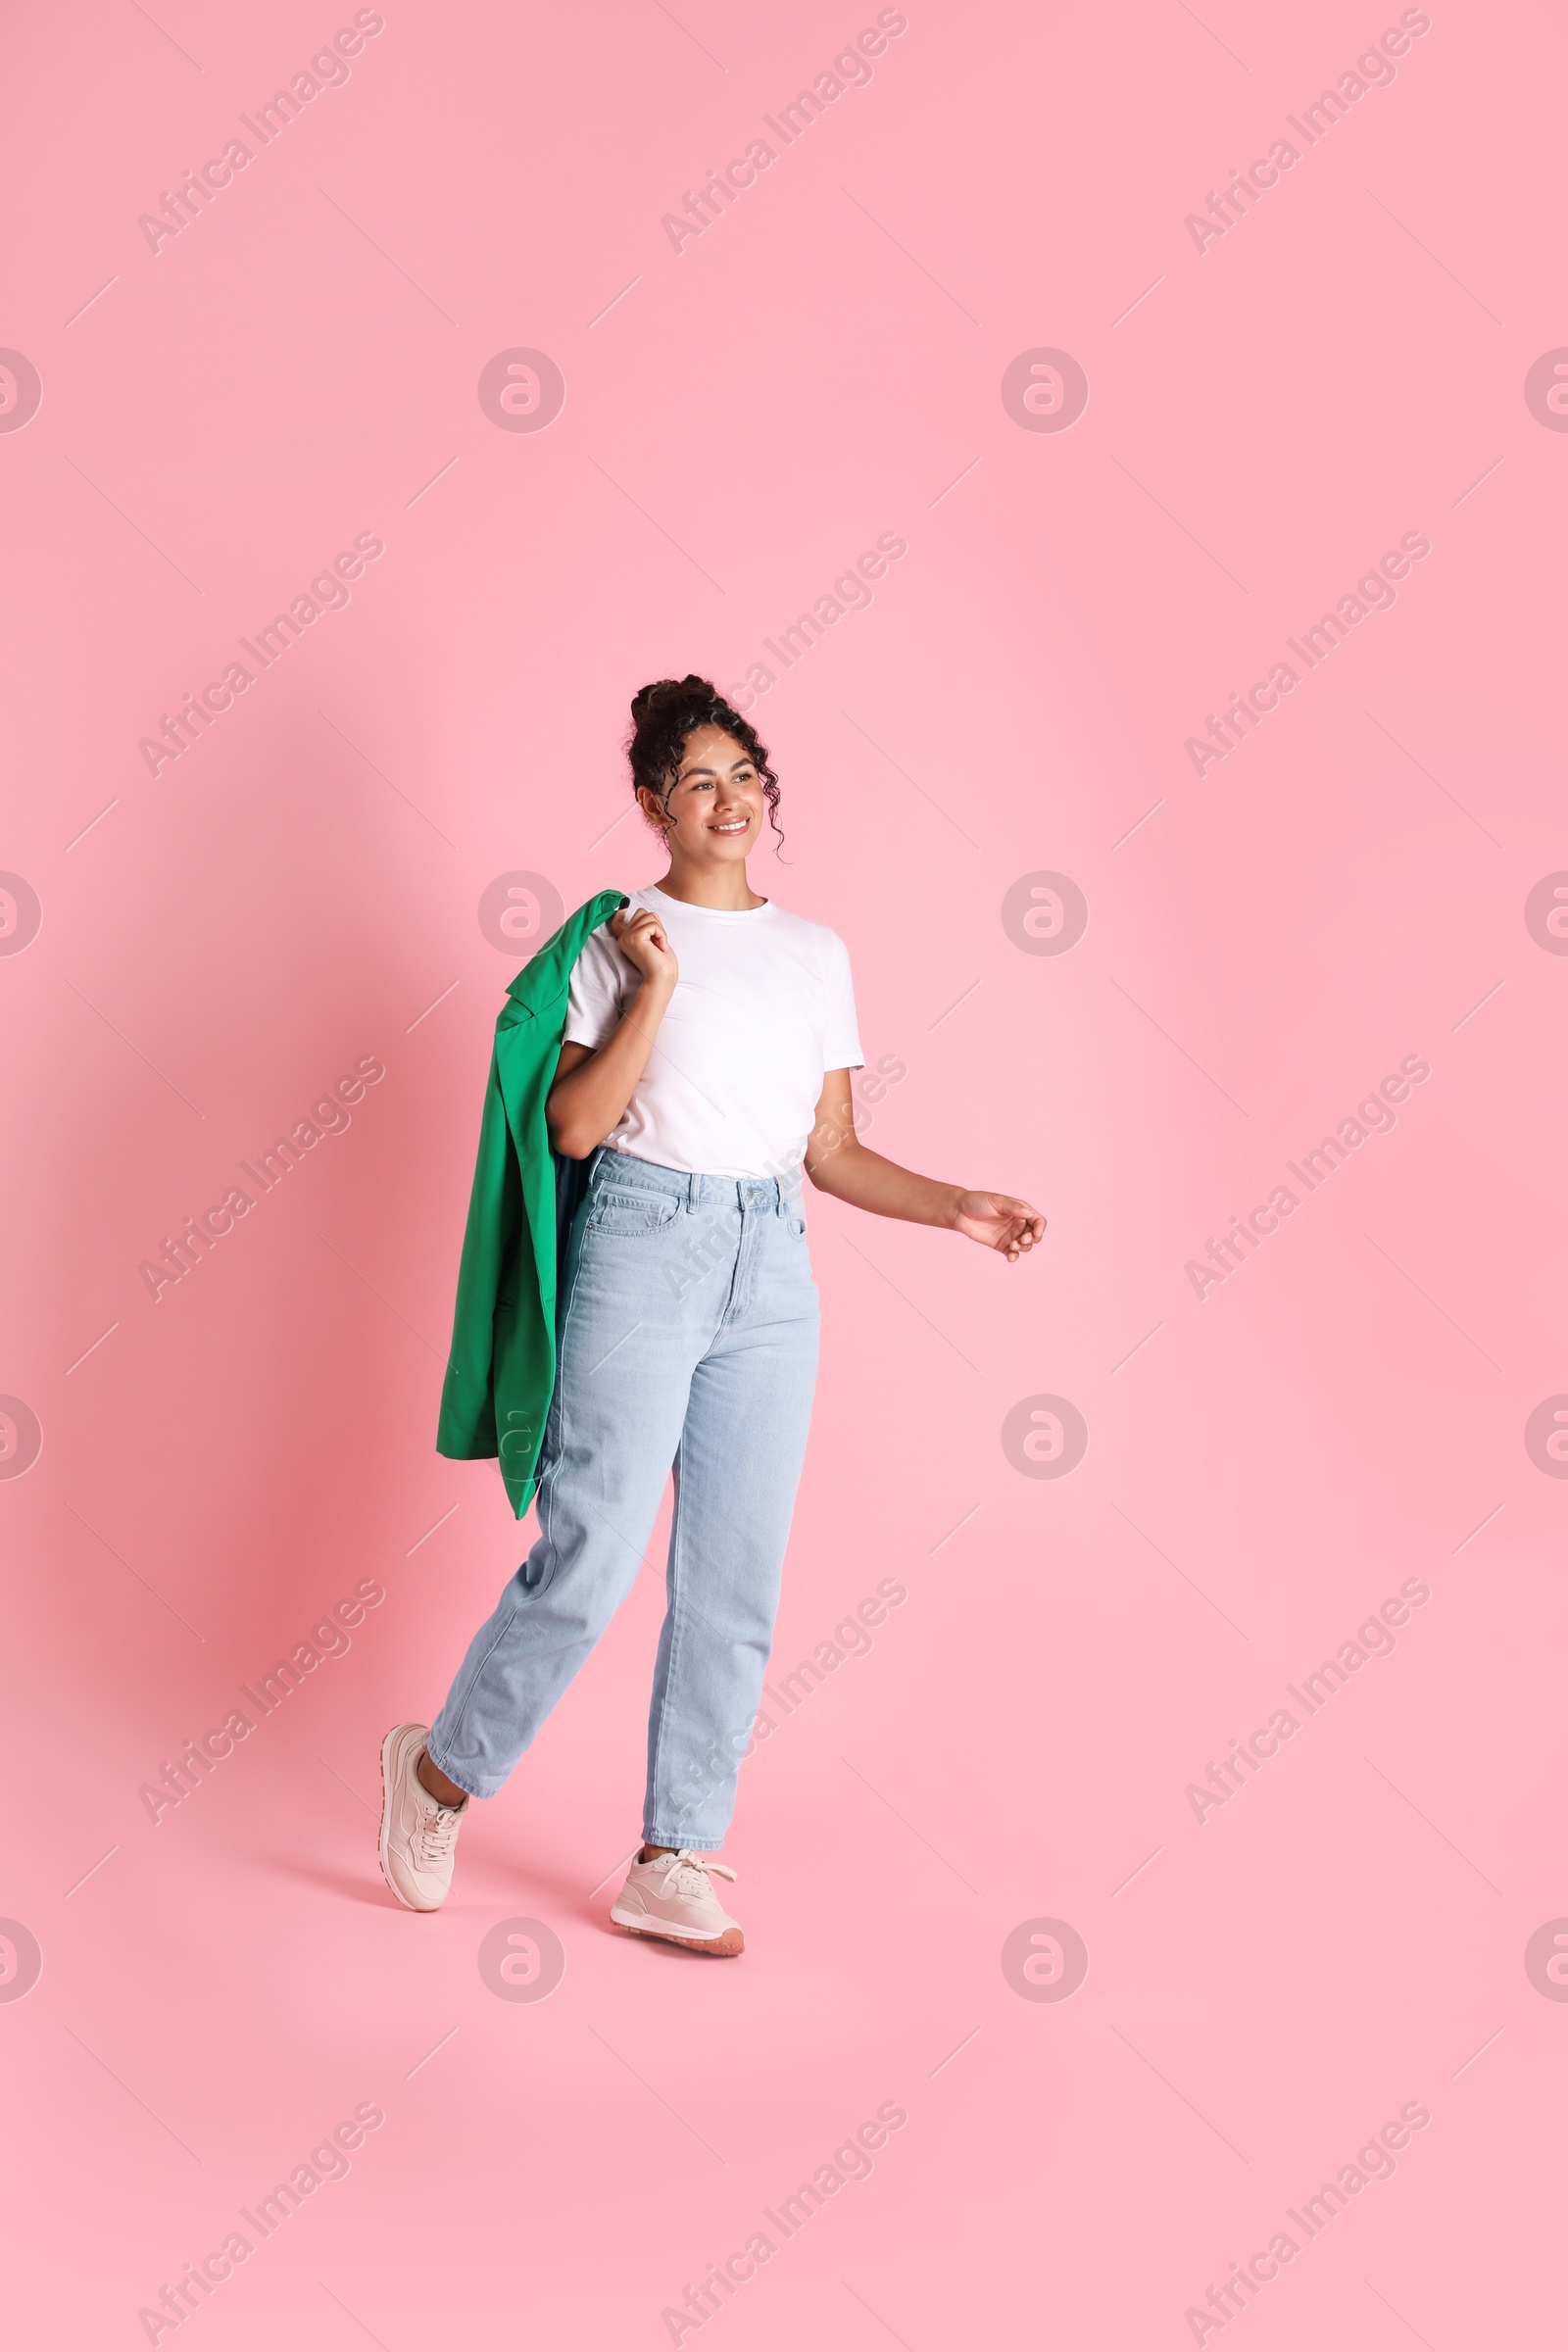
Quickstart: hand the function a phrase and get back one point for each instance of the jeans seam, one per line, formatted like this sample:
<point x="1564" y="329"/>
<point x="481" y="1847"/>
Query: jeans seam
<point x="676" y="1588"/>
<point x="467" y="1696"/>
<point x="561" y="1392"/>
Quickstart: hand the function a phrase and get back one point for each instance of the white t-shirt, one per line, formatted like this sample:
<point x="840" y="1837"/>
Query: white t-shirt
<point x="763" y="1010"/>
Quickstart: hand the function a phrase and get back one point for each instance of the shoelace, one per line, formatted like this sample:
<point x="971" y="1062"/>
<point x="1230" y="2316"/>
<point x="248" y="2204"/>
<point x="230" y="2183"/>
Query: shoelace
<point x="690" y="1874"/>
<point x="436" y="1832"/>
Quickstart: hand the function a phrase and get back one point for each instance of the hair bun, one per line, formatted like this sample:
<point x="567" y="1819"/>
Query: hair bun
<point x="664" y="691"/>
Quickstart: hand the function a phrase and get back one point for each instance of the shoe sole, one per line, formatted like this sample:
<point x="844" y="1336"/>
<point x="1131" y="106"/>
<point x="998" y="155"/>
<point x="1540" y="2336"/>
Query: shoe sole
<point x="423" y="1910"/>
<point x="727" y="1947"/>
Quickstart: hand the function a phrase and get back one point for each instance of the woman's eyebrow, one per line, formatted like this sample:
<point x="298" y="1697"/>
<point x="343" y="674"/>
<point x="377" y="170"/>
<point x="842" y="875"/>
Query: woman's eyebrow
<point x="704" y="770"/>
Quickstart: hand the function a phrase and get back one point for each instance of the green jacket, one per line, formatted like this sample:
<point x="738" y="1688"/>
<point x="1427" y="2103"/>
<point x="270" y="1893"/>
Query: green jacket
<point x="500" y="1373"/>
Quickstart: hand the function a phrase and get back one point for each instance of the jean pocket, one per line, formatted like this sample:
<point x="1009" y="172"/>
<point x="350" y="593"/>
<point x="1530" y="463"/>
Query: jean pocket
<point x="628" y="1215"/>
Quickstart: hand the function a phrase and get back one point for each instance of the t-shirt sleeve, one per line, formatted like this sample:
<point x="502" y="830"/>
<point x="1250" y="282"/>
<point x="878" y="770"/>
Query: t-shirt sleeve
<point x="595" y="994"/>
<point x="841" y="1037"/>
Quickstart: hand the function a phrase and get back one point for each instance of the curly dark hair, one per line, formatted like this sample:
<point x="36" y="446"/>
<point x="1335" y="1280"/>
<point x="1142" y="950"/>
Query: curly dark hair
<point x="669" y="710"/>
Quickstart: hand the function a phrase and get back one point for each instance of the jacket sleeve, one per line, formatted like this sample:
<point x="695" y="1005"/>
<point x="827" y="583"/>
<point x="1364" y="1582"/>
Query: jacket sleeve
<point x="467" y="1430"/>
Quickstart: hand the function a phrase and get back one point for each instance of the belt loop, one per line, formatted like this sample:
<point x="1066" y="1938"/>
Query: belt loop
<point x="691" y="1194"/>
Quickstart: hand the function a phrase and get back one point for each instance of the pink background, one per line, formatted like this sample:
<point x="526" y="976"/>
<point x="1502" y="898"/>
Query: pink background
<point x="300" y="889"/>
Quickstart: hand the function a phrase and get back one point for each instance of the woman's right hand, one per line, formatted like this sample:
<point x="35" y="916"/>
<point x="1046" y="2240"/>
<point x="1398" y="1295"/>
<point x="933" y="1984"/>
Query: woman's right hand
<point x="592" y="1089"/>
<point x="645" y="943"/>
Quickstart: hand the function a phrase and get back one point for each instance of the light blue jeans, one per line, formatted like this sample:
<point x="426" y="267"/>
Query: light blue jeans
<point x="687" y="1333"/>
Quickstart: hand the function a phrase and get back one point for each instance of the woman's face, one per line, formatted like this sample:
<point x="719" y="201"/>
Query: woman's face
<point x="714" y="809"/>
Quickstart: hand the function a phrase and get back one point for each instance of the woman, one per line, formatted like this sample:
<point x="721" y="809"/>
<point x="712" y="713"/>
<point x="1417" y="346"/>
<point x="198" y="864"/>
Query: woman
<point x="707" y="1053"/>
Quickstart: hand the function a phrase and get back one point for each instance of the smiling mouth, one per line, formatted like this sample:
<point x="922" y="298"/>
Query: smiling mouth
<point x="735" y="825"/>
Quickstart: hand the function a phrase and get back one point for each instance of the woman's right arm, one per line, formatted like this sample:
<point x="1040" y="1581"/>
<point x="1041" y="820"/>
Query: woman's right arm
<point x="593" y="1086"/>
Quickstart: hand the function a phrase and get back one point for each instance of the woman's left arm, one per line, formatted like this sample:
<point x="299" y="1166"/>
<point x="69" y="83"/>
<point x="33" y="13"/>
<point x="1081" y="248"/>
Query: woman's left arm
<point x="838" y="1163"/>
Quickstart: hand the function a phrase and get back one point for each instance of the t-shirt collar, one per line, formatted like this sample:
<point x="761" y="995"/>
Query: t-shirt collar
<point x="712" y="915"/>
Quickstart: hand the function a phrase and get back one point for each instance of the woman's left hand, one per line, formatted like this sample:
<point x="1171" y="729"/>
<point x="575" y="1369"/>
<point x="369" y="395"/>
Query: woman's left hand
<point x="999" y="1222"/>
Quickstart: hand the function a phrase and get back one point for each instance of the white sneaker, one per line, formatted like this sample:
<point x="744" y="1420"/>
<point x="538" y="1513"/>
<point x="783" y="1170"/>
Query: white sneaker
<point x="418" y="1832"/>
<point x="673" y="1897"/>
